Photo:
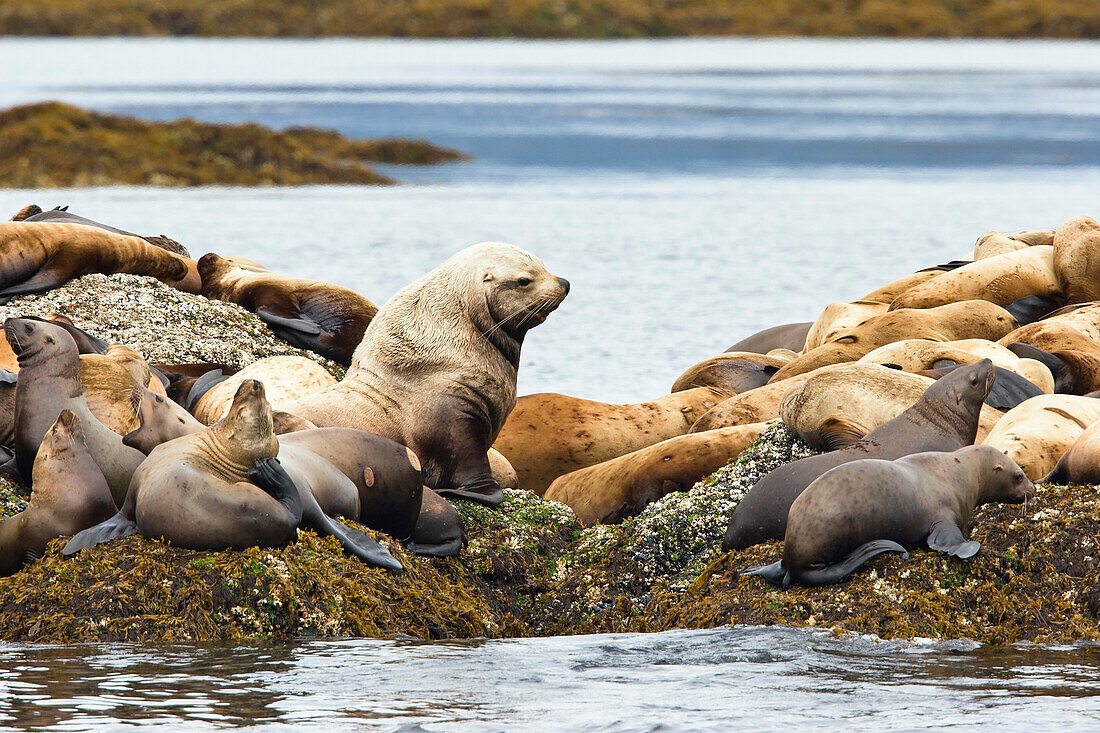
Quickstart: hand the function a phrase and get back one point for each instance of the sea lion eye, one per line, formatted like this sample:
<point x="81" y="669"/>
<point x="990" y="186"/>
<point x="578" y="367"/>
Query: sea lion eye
<point x="29" y="328"/>
<point x="49" y="339"/>
<point x="1019" y="476"/>
<point x="524" y="281"/>
<point x="974" y="381"/>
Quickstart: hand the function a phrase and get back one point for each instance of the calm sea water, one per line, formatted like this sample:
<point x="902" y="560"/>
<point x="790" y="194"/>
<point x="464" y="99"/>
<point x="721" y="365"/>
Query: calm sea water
<point x="693" y="192"/>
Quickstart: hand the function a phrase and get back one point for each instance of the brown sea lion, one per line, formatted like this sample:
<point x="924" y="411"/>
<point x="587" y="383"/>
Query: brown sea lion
<point x="609" y="492"/>
<point x="945" y="418"/>
<point x="865" y="508"/>
<point x="1000" y="279"/>
<point x="971" y="319"/>
<point x="1080" y="465"/>
<point x="49" y="383"/>
<point x="223" y="488"/>
<point x="840" y="317"/>
<point x="436" y="370"/>
<point x="1038" y="432"/>
<point x="734" y="372"/>
<point x="549" y="435"/>
<point x="1077" y="258"/>
<point x="27" y="211"/>
<point x="68" y="494"/>
<point x="919" y="355"/>
<point x="787" y="336"/>
<point x="310" y="314"/>
<point x="286" y="379"/>
<point x="37" y="257"/>
<point x="839" y="407"/>
<point x="998" y="243"/>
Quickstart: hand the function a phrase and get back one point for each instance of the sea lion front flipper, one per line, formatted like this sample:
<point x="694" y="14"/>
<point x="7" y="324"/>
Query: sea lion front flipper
<point x="269" y="475"/>
<point x="114" y="528"/>
<point x="40" y="282"/>
<point x="775" y="573"/>
<point x="443" y="549"/>
<point x="488" y="493"/>
<point x="947" y="537"/>
<point x="837" y="433"/>
<point x="301" y="324"/>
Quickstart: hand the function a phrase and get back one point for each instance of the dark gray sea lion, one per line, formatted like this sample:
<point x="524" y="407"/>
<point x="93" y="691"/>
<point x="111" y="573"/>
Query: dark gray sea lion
<point x="310" y="314"/>
<point x="1032" y="308"/>
<point x="788" y="336"/>
<point x="68" y="495"/>
<point x="40" y="256"/>
<point x="865" y="508"/>
<point x="48" y="383"/>
<point x="223" y="488"/>
<point x="944" y="419"/>
<point x="731" y="372"/>
<point x="64" y="216"/>
<point x="1009" y="388"/>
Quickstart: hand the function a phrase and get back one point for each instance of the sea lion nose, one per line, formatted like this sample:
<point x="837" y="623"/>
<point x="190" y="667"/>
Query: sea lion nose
<point x="564" y="284"/>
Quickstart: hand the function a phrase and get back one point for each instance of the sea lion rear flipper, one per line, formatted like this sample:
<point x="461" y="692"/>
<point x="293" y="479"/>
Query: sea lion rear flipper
<point x="948" y="266"/>
<point x="301" y="331"/>
<point x="40" y="282"/>
<point x="837" y="572"/>
<point x="201" y="386"/>
<point x="837" y="434"/>
<point x="443" y="549"/>
<point x="947" y="537"/>
<point x="114" y="528"/>
<point x="355" y="542"/>
<point x="269" y="475"/>
<point x="775" y="573"/>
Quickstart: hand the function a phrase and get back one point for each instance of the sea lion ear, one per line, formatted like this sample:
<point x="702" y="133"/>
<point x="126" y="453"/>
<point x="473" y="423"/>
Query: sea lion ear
<point x="998" y="468"/>
<point x="489" y="277"/>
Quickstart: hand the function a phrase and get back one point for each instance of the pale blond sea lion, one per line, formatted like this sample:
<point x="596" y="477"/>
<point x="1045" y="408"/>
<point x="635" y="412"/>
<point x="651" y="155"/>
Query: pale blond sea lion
<point x="549" y="435"/>
<point x="611" y="491"/>
<point x="969" y="319"/>
<point x="1039" y="431"/>
<point x="998" y="243"/>
<point x="1077" y="258"/>
<point x="286" y="379"/>
<point x="1080" y="464"/>
<point x="36" y="257"/>
<point x="838" y="318"/>
<point x="1000" y="279"/>
<point x="756" y="405"/>
<point x="436" y="370"/>
<point x="310" y="314"/>
<point x="888" y="292"/>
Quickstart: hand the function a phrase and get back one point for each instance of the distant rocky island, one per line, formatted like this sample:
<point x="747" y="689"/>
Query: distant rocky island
<point x="553" y="19"/>
<point x="54" y="145"/>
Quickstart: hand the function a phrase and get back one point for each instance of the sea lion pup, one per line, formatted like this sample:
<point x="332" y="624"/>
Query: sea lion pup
<point x="970" y="319"/>
<point x="1039" y="431"/>
<point x="1000" y="279"/>
<point x="1080" y="465"/>
<point x="865" y="508"/>
<point x="945" y="418"/>
<point x="37" y="257"/>
<point x="549" y="435"/>
<point x="68" y="494"/>
<point x="285" y="378"/>
<point x="223" y="488"/>
<point x="436" y="370"/>
<point x="1077" y="258"/>
<point x="609" y="492"/>
<point x="49" y="383"/>
<point x="998" y="243"/>
<point x="840" y="317"/>
<point x="787" y="336"/>
<point x="734" y="372"/>
<point x="310" y="314"/>
<point x="920" y="355"/>
<point x="836" y="408"/>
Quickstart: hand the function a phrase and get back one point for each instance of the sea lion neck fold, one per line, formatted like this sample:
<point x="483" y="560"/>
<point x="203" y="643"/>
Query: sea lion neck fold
<point x="942" y="403"/>
<point x="245" y="435"/>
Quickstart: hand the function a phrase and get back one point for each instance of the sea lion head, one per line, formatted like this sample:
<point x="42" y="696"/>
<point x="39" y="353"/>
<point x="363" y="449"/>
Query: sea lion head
<point x="62" y="435"/>
<point x="511" y="291"/>
<point x="249" y="425"/>
<point x="38" y="340"/>
<point x="159" y="420"/>
<point x="1005" y="482"/>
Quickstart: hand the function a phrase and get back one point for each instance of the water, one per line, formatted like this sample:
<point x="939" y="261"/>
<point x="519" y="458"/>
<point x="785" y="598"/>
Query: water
<point x="807" y="679"/>
<point x="693" y="192"/>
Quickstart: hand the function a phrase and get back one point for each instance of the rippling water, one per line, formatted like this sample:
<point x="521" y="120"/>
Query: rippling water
<point x="720" y="680"/>
<point x="693" y="192"/>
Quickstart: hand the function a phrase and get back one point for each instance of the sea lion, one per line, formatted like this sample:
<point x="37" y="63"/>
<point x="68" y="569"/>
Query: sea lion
<point x="834" y="409"/>
<point x="1038" y="432"/>
<point x="502" y="469"/>
<point x="64" y="216"/>
<point x="1074" y="371"/>
<point x="865" y="508"/>
<point x="1077" y="258"/>
<point x="734" y="372"/>
<point x="888" y="292"/>
<point x="1009" y="389"/>
<point x="971" y="319"/>
<point x="8" y="381"/>
<point x="49" y="383"/>
<point x="27" y="211"/>
<point x="159" y="420"/>
<point x="182" y="377"/>
<point x="223" y="488"/>
<point x="756" y="405"/>
<point x="919" y="355"/>
<point x="285" y="378"/>
<point x="1080" y="465"/>
<point x="840" y="317"/>
<point x="787" y="336"/>
<point x="68" y="494"/>
<point x="998" y="243"/>
<point x="439" y="528"/>
<point x="1001" y="279"/>
<point x="945" y="418"/>
<point x="1032" y="308"/>
<point x="609" y="492"/>
<point x="436" y="369"/>
<point x="310" y="314"/>
<point x="549" y="435"/>
<point x="108" y="381"/>
<point x="36" y="257"/>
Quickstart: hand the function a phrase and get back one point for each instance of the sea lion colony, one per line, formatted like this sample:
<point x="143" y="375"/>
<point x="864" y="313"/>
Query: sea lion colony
<point x="896" y="386"/>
